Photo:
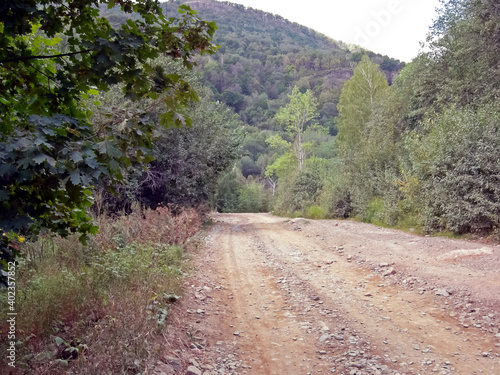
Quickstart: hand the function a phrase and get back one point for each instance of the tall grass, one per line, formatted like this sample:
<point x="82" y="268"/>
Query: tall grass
<point x="316" y="212"/>
<point x="100" y="308"/>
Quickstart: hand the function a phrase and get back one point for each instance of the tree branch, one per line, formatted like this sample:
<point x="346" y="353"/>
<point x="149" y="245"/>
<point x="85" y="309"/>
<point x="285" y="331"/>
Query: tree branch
<point x="26" y="58"/>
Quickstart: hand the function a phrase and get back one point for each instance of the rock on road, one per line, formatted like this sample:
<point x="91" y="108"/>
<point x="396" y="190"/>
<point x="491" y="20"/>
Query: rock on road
<point x="277" y="296"/>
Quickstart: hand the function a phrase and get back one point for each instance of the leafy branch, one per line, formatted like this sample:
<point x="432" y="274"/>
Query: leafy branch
<point x="40" y="57"/>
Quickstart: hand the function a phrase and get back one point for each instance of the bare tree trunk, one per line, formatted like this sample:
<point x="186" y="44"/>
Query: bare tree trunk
<point x="273" y="183"/>
<point x="300" y="151"/>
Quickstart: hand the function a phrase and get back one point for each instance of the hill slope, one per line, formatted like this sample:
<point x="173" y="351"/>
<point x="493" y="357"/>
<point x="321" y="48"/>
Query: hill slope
<point x="262" y="56"/>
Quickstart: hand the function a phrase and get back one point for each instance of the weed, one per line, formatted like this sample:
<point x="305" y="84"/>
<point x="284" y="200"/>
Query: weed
<point x="375" y="212"/>
<point x="317" y="212"/>
<point x="100" y="308"/>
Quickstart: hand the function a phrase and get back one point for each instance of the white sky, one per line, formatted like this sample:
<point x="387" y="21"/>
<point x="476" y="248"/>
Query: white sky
<point x="390" y="27"/>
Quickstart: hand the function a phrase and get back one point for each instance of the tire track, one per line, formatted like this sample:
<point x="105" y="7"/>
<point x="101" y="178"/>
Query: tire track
<point x="296" y="304"/>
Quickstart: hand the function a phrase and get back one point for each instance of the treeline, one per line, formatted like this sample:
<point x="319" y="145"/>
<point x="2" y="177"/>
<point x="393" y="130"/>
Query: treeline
<point x="263" y="56"/>
<point x="186" y="161"/>
<point x="422" y="152"/>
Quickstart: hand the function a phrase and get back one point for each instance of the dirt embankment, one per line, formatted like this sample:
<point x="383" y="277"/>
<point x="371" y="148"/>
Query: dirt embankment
<point x="276" y="296"/>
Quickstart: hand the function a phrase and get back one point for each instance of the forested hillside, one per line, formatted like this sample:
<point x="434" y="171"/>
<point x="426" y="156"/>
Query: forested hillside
<point x="120" y="128"/>
<point x="414" y="146"/>
<point x="261" y="58"/>
<point x="420" y="151"/>
<point x="410" y="145"/>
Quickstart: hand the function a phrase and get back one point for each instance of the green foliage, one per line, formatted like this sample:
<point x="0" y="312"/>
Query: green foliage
<point x="462" y="65"/>
<point x="297" y="190"/>
<point x="295" y="116"/>
<point x="255" y="143"/>
<point x="252" y="198"/>
<point x="249" y="167"/>
<point x="189" y="161"/>
<point x="374" y="211"/>
<point x="355" y="107"/>
<point x="55" y="162"/>
<point x="262" y="56"/>
<point x="229" y="190"/>
<point x="326" y="150"/>
<point x="422" y="153"/>
<point x="300" y="110"/>
<point x="278" y="144"/>
<point x="133" y="260"/>
<point x="316" y="212"/>
<point x="289" y="166"/>
<point x="365" y="143"/>
<point x="457" y="164"/>
<point x="233" y="99"/>
<point x="335" y="195"/>
<point x="94" y="301"/>
<point x="51" y="57"/>
<point x="282" y="166"/>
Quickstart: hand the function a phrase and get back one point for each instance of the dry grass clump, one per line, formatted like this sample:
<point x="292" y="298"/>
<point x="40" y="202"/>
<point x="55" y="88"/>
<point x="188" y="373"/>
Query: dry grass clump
<point x="100" y="308"/>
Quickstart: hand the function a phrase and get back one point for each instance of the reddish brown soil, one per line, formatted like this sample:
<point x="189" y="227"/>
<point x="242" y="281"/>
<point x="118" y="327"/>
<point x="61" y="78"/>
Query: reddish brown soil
<point x="276" y="296"/>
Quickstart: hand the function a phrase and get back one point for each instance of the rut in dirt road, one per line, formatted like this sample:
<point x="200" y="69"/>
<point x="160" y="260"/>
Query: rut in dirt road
<point x="304" y="297"/>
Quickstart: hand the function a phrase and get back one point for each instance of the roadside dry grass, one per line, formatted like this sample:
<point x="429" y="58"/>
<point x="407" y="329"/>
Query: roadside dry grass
<point x="100" y="308"/>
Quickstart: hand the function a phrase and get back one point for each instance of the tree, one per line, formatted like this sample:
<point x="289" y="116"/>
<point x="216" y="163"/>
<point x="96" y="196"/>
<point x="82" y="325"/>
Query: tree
<point x="360" y="96"/>
<point x="189" y="160"/>
<point x="228" y="191"/>
<point x="53" y="55"/>
<point x="464" y="50"/>
<point x="356" y="103"/>
<point x="456" y="166"/>
<point x="282" y="161"/>
<point x="252" y="198"/>
<point x="295" y="116"/>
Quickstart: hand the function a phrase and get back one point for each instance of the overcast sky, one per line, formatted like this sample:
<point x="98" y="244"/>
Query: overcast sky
<point x="389" y="27"/>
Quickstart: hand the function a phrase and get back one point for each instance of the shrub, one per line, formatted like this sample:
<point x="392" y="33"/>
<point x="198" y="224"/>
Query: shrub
<point x="335" y="196"/>
<point x="317" y="212"/>
<point x="229" y="190"/>
<point x="375" y="211"/>
<point x="252" y="198"/>
<point x="108" y="301"/>
<point x="457" y="166"/>
<point x="159" y="225"/>
<point x="297" y="191"/>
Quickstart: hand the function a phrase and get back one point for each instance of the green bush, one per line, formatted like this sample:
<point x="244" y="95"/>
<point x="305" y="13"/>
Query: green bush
<point x="456" y="165"/>
<point x="317" y="212"/>
<point x="335" y="195"/>
<point x="228" y="191"/>
<point x="252" y="198"/>
<point x="375" y="211"/>
<point x="296" y="192"/>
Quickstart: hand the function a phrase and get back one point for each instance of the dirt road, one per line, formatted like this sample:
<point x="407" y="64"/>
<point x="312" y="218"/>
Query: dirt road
<point x="277" y="296"/>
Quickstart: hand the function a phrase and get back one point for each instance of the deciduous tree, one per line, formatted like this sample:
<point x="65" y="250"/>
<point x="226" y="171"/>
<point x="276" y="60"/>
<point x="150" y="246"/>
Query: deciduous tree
<point x="55" y="53"/>
<point x="295" y="116"/>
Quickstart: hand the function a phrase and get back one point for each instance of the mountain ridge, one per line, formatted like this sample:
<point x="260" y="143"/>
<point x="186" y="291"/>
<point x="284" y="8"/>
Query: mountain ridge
<point x="263" y="55"/>
<point x="266" y="16"/>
